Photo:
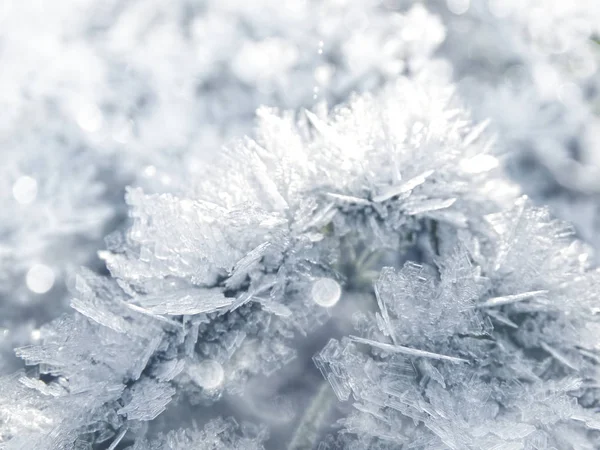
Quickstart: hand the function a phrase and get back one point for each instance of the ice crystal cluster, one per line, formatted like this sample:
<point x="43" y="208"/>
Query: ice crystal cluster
<point x="292" y="275"/>
<point x="87" y="110"/>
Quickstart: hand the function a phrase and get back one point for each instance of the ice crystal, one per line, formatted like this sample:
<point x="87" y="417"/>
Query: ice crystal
<point x="529" y="355"/>
<point x="211" y="287"/>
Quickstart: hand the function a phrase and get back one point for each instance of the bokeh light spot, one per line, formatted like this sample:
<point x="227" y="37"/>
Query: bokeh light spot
<point x="40" y="278"/>
<point x="458" y="7"/>
<point x="25" y="190"/>
<point x="326" y="292"/>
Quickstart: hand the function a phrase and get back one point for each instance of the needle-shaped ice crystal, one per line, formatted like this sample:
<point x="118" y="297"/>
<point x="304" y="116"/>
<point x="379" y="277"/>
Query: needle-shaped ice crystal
<point x="509" y="299"/>
<point x="407" y="350"/>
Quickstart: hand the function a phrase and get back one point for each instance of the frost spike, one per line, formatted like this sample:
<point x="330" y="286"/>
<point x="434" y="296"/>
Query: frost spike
<point x="475" y="133"/>
<point x="407" y="350"/>
<point x="429" y="205"/>
<point x="502" y="319"/>
<point x="328" y="132"/>
<point x="316" y="122"/>
<point x="158" y="317"/>
<point x="186" y="301"/>
<point x="101" y="317"/>
<point x="321" y="218"/>
<point x="267" y="185"/>
<point x="518" y="216"/>
<point x="349" y="199"/>
<point x="274" y="307"/>
<point x="590" y="355"/>
<point x="384" y="314"/>
<point x="245" y="297"/>
<point x="404" y="187"/>
<point x="559" y="356"/>
<point x="244" y="265"/>
<point x="509" y="299"/>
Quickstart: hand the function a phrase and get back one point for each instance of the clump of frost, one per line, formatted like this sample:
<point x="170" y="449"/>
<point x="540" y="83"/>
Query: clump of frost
<point x="218" y="434"/>
<point x="87" y="110"/>
<point x="216" y="287"/>
<point x="491" y="347"/>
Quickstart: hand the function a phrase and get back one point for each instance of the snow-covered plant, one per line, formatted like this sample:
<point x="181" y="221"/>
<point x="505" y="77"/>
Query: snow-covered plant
<point x="485" y="338"/>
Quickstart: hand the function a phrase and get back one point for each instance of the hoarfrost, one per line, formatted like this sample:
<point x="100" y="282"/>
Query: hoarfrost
<point x="473" y="312"/>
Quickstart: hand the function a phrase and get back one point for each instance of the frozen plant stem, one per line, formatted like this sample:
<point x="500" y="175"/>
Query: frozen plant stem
<point x="306" y="434"/>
